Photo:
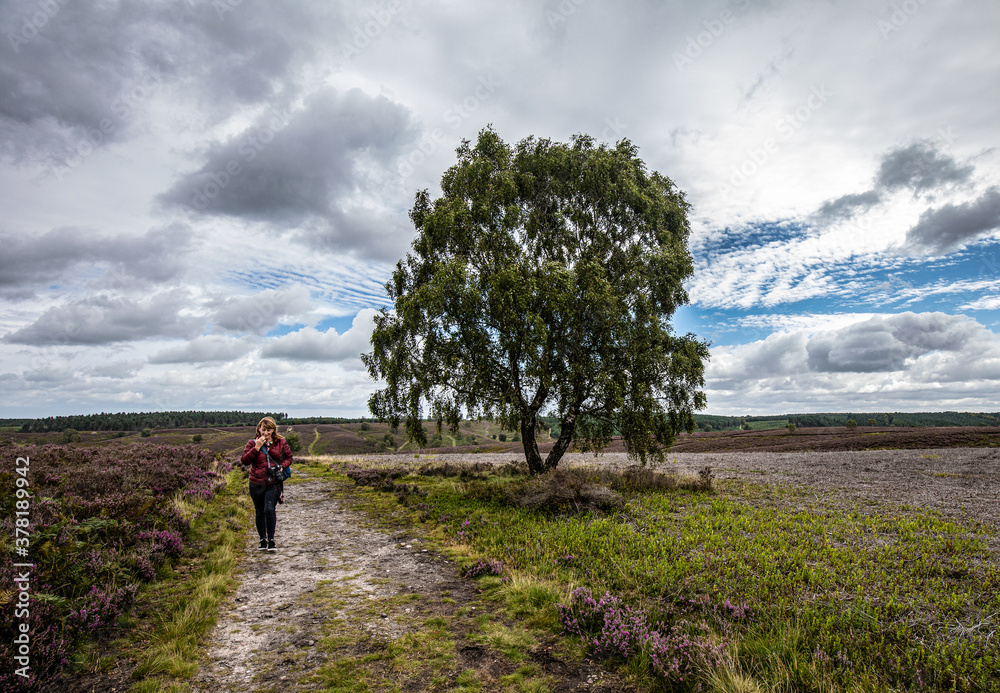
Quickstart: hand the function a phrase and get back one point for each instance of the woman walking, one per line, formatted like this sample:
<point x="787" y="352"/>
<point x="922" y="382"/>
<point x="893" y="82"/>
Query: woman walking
<point x="267" y="449"/>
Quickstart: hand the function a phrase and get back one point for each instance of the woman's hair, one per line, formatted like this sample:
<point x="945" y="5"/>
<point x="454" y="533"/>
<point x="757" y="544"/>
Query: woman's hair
<point x="271" y="424"/>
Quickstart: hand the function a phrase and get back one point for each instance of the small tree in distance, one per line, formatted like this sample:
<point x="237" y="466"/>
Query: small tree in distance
<point x="543" y="280"/>
<point x="851" y="424"/>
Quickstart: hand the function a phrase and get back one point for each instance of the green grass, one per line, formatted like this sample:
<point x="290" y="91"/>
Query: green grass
<point x="843" y="596"/>
<point x="187" y="606"/>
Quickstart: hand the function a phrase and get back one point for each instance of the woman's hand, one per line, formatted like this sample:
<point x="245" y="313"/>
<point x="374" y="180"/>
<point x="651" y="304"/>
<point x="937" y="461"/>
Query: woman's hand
<point x="259" y="442"/>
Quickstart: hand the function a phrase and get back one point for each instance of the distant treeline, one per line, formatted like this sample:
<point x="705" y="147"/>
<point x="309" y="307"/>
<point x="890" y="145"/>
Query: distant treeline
<point x="132" y="421"/>
<point x="137" y="421"/>
<point x="325" y="420"/>
<point x="902" y="419"/>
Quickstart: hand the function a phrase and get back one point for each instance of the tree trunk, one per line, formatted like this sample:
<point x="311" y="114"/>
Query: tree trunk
<point x="531" y="455"/>
<point x="565" y="438"/>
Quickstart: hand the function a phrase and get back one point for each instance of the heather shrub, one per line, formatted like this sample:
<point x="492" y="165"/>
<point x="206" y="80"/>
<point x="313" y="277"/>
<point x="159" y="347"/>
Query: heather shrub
<point x="476" y="470"/>
<point x="378" y="479"/>
<point x="640" y="478"/>
<point x="101" y="522"/>
<point x="564" y="490"/>
<point x="484" y="567"/>
<point x="705" y="477"/>
<point x="517" y="467"/>
<point x="679" y="650"/>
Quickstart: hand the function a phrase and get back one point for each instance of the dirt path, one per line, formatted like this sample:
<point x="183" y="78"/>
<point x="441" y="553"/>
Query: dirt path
<point x="270" y="633"/>
<point x="337" y="588"/>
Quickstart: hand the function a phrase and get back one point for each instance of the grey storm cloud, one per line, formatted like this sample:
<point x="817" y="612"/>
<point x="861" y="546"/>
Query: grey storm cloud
<point x="156" y="256"/>
<point x="950" y="227"/>
<point x="77" y="72"/>
<point x="885" y="343"/>
<point x="106" y="319"/>
<point x="844" y="207"/>
<point x="306" y="167"/>
<point x="919" y="167"/>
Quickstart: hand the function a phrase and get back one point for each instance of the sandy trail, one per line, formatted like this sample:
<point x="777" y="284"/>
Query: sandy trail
<point x="268" y="635"/>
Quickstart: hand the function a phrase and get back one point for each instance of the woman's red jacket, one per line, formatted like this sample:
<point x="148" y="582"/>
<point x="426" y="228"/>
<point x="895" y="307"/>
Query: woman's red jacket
<point x="279" y="451"/>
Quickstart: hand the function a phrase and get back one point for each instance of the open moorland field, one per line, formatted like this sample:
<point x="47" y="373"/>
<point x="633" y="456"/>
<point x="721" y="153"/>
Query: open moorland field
<point x="873" y="567"/>
<point x="315" y="439"/>
<point x="481" y="436"/>
<point x="807" y="571"/>
<point x="836" y="438"/>
<point x="958" y="482"/>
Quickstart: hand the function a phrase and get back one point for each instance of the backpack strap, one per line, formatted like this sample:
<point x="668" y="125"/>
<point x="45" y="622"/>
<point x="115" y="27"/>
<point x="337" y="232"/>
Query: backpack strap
<point x="286" y="471"/>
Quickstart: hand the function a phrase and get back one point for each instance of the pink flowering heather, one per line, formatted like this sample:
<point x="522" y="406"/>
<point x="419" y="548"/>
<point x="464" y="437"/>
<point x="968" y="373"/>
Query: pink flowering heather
<point x="676" y="652"/>
<point x="484" y="567"/>
<point x="106" y="519"/>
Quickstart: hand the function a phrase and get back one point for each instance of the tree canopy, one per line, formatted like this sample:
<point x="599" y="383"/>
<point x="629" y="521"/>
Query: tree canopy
<point x="542" y="281"/>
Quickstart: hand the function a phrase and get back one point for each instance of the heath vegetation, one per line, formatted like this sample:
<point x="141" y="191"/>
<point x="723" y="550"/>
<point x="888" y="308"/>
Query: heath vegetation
<point x="689" y="582"/>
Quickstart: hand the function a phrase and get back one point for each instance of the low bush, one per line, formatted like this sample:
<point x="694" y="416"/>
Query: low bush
<point x="565" y="491"/>
<point x="476" y="470"/>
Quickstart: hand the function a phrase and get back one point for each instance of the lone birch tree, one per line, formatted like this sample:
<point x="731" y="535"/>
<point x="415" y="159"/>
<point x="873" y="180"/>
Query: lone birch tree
<point x="542" y="282"/>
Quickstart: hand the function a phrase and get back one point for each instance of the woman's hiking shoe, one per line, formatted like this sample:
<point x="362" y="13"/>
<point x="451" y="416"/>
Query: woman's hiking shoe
<point x="263" y="545"/>
<point x="271" y="546"/>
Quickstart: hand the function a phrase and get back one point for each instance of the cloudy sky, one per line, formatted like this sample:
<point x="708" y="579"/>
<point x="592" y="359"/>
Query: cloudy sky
<point x="202" y="200"/>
